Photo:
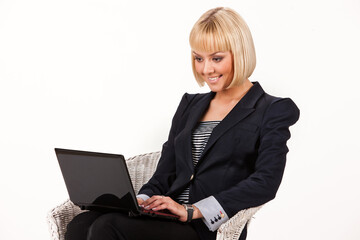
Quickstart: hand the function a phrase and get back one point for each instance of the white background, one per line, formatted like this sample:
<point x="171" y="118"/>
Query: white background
<point x="108" y="75"/>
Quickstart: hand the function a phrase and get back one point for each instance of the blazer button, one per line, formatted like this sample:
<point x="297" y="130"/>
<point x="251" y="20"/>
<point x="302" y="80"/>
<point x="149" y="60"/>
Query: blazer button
<point x="192" y="176"/>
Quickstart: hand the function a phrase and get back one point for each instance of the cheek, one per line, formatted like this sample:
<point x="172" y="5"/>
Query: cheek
<point x="227" y="67"/>
<point x="198" y="68"/>
<point x="228" y="70"/>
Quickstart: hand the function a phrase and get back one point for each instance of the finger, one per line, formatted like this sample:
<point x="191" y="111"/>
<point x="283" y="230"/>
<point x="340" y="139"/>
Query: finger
<point x="151" y="200"/>
<point x="174" y="208"/>
<point x="160" y="207"/>
<point x="157" y="202"/>
<point x="160" y="204"/>
<point x="164" y="203"/>
<point x="140" y="201"/>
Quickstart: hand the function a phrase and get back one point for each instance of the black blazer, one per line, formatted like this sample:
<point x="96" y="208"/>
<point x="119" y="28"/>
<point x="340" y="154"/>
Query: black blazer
<point x="243" y="162"/>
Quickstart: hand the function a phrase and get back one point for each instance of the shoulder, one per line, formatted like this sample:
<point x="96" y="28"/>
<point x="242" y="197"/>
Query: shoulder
<point x="186" y="102"/>
<point x="270" y="102"/>
<point x="189" y="97"/>
<point x="271" y="108"/>
<point x="280" y="108"/>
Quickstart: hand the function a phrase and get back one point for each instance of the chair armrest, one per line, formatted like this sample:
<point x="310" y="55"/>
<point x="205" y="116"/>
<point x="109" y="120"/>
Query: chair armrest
<point x="232" y="228"/>
<point x="59" y="217"/>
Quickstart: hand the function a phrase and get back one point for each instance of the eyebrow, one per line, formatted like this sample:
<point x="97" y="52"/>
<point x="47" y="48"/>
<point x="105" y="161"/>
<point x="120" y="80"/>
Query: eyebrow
<point x="210" y="54"/>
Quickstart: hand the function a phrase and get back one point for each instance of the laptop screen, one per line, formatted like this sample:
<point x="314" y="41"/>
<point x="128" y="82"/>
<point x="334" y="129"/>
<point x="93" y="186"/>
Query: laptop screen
<point x="97" y="179"/>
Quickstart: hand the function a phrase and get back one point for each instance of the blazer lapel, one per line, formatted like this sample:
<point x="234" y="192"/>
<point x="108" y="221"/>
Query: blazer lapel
<point x="196" y="112"/>
<point x="241" y="110"/>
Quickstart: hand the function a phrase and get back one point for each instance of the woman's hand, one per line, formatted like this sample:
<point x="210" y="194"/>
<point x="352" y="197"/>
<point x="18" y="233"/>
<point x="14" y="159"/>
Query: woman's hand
<point x="157" y="203"/>
<point x="140" y="201"/>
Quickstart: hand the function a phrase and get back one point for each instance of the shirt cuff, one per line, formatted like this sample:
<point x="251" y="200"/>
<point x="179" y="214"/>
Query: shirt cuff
<point x="213" y="214"/>
<point x="143" y="196"/>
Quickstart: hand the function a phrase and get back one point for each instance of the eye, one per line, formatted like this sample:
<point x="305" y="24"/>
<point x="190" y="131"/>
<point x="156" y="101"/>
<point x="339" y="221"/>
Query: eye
<point x="198" y="59"/>
<point x="217" y="59"/>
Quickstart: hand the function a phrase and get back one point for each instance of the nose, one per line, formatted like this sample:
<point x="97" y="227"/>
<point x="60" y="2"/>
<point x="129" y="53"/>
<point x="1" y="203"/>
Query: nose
<point x="208" y="67"/>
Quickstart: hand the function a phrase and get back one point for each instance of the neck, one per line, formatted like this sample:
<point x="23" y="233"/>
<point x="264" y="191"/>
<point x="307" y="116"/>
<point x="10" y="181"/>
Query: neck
<point x="234" y="93"/>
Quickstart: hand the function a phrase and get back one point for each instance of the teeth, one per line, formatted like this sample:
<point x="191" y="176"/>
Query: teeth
<point x="212" y="79"/>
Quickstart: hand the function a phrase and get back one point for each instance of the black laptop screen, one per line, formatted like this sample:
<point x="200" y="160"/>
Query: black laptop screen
<point x="96" y="179"/>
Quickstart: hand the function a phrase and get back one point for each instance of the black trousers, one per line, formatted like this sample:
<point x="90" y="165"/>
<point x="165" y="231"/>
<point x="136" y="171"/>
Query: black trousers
<point x="93" y="225"/>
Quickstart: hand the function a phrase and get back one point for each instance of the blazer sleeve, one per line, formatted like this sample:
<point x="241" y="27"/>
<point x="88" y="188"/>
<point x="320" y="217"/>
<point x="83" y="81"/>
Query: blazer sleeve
<point x="165" y="172"/>
<point x="261" y="186"/>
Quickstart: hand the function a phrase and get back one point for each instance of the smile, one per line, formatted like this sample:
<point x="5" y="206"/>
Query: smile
<point x="213" y="79"/>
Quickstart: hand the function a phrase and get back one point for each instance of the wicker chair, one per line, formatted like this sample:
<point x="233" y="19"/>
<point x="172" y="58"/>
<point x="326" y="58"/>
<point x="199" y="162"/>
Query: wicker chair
<point x="141" y="168"/>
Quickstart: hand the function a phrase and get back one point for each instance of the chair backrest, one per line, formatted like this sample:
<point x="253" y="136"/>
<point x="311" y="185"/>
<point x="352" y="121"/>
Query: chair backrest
<point x="141" y="168"/>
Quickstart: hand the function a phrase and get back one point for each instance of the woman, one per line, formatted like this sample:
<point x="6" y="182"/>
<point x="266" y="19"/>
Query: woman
<point x="226" y="149"/>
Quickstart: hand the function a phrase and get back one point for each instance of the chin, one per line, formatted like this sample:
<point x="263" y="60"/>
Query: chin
<point x="216" y="88"/>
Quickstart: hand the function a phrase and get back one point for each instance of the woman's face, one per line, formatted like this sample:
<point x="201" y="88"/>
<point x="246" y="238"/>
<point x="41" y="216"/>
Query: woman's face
<point x="215" y="68"/>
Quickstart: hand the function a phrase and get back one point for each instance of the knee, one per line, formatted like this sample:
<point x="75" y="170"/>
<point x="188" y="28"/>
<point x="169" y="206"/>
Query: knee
<point x="103" y="228"/>
<point x="78" y="227"/>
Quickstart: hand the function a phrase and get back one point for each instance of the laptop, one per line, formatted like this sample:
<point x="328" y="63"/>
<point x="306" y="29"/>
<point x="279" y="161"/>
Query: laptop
<point x="101" y="182"/>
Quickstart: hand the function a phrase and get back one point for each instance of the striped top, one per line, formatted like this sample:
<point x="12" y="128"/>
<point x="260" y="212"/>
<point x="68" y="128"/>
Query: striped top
<point x="200" y="137"/>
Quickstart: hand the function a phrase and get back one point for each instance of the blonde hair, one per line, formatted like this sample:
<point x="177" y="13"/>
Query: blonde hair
<point x="223" y="29"/>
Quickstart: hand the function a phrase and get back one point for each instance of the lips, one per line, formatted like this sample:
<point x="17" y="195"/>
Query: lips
<point x="214" y="79"/>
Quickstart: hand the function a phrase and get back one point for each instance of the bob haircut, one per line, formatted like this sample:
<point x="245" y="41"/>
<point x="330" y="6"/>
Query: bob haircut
<point x="223" y="29"/>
